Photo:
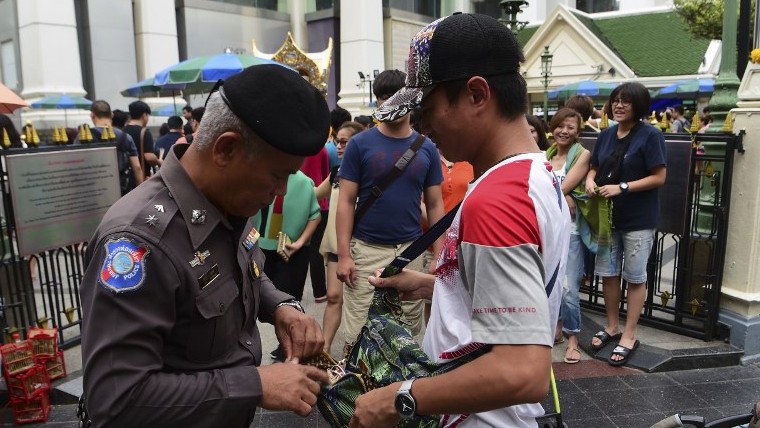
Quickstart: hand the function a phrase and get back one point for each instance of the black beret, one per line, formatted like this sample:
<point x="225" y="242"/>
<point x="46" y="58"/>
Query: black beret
<point x="280" y="106"/>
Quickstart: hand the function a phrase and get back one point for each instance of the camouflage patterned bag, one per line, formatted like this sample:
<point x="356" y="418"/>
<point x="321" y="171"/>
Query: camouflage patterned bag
<point x="385" y="352"/>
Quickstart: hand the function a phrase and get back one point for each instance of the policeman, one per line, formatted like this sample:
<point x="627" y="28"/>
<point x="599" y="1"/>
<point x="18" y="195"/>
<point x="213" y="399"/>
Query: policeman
<point x="174" y="281"/>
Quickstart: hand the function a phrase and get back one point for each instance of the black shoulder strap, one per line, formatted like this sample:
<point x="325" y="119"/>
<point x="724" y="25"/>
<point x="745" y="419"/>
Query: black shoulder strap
<point x="420" y="244"/>
<point x="393" y="174"/>
<point x="426" y="240"/>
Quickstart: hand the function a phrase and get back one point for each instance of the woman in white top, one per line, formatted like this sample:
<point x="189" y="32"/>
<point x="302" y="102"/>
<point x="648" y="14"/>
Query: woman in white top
<point x="570" y="162"/>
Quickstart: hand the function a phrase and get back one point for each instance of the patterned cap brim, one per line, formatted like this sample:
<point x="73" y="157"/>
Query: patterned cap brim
<point x="399" y="105"/>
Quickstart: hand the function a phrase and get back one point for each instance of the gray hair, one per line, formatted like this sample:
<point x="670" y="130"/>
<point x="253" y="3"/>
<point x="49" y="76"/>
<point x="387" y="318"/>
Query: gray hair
<point x="219" y="119"/>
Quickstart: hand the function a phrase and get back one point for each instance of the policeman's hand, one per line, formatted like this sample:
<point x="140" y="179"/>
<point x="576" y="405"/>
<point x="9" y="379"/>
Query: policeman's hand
<point x="347" y="271"/>
<point x="299" y="334"/>
<point x="376" y="408"/>
<point x="288" y="386"/>
<point x="410" y="284"/>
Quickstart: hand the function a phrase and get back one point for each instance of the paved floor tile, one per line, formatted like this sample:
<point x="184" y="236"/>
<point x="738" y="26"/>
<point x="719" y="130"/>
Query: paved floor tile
<point x="649" y="381"/>
<point x="614" y="403"/>
<point x="720" y="394"/>
<point x="597" y="384"/>
<point x="672" y="399"/>
<point x="689" y="377"/>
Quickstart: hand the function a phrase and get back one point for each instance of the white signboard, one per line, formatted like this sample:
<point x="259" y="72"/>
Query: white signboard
<point x="59" y="197"/>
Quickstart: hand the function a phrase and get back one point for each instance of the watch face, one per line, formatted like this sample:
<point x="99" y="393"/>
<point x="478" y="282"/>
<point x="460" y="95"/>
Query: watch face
<point x="405" y="405"/>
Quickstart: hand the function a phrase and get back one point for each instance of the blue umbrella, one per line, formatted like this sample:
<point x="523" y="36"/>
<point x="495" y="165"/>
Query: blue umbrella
<point x="64" y="102"/>
<point x="687" y="89"/>
<point x="591" y="88"/>
<point x="201" y="73"/>
<point x="148" y="88"/>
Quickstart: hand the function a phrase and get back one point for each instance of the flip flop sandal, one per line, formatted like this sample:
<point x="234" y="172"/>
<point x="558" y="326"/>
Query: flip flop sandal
<point x="572" y="360"/>
<point x="558" y="340"/>
<point x="605" y="338"/>
<point x="624" y="352"/>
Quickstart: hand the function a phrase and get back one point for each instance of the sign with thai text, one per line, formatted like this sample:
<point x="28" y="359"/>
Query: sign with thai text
<point x="59" y="197"/>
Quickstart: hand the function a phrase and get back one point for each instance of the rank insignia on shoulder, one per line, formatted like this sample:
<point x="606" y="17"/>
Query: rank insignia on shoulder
<point x="124" y="266"/>
<point x="251" y="239"/>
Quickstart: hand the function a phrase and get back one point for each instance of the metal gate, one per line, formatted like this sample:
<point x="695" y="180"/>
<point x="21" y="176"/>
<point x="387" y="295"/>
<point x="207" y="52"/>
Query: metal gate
<point x="41" y="290"/>
<point x="685" y="268"/>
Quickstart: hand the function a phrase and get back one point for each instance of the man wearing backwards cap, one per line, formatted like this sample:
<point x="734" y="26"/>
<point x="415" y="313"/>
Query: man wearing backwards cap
<point x="505" y="249"/>
<point x="174" y="282"/>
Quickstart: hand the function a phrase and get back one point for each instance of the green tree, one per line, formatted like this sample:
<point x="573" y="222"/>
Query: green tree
<point x="704" y="18"/>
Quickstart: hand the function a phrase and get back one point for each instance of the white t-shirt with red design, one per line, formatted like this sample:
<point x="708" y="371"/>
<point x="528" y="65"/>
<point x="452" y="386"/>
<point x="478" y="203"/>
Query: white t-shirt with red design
<point x="509" y="238"/>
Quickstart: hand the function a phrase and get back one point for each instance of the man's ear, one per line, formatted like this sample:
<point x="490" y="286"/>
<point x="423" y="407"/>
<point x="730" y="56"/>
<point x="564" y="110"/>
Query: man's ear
<point x="225" y="148"/>
<point x="478" y="91"/>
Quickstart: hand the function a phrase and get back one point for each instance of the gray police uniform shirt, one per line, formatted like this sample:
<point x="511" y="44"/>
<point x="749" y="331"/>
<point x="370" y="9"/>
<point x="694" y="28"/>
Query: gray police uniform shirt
<point x="170" y="295"/>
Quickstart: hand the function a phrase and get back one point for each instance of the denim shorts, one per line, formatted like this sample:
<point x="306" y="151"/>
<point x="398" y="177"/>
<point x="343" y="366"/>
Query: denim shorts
<point x="633" y="247"/>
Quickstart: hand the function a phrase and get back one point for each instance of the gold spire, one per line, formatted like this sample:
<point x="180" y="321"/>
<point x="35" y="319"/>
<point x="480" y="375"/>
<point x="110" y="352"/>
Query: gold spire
<point x="6" y="139"/>
<point x="64" y="135"/>
<point x="605" y="122"/>
<point x="108" y="133"/>
<point x="87" y="132"/>
<point x="35" y="137"/>
<point x="653" y="118"/>
<point x="695" y="123"/>
<point x="728" y="125"/>
<point x="665" y="123"/>
<point x="56" y="135"/>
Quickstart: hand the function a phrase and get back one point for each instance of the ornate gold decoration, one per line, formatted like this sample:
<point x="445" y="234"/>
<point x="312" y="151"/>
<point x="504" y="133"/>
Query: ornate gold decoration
<point x="313" y="66"/>
<point x="6" y="139"/>
<point x="728" y="125"/>
<point x="664" y="123"/>
<point x="653" y="118"/>
<point x="32" y="139"/>
<point x="605" y="122"/>
<point x="69" y="312"/>
<point x="664" y="298"/>
<point x="64" y="135"/>
<point x="694" y="123"/>
<point x="56" y="135"/>
<point x="42" y="322"/>
<point x="694" y="307"/>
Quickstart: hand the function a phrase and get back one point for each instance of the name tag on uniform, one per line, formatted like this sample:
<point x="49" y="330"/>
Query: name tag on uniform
<point x="209" y="277"/>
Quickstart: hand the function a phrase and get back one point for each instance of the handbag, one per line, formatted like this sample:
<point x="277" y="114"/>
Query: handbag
<point x="385" y="351"/>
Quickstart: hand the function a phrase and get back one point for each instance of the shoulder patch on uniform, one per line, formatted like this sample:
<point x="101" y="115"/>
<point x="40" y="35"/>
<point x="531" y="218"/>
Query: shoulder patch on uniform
<point x="124" y="266"/>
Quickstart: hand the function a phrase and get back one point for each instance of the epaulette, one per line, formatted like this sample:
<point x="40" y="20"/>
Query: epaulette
<point x="153" y="219"/>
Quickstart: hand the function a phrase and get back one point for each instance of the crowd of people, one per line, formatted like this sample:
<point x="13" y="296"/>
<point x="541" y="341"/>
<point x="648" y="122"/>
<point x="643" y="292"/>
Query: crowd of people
<point x="226" y="214"/>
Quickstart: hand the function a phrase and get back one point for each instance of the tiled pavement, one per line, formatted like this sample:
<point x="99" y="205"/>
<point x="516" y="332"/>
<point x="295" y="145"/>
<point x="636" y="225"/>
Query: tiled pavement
<point x="592" y="393"/>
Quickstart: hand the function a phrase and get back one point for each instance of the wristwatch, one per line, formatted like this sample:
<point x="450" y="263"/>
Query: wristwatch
<point x="405" y="404"/>
<point x="624" y="187"/>
<point x="292" y="303"/>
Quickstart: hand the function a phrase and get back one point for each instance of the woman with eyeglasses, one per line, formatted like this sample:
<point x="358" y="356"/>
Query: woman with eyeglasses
<point x="329" y="247"/>
<point x="627" y="169"/>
